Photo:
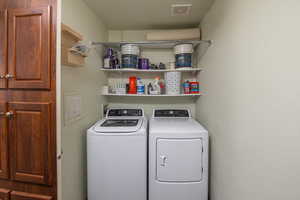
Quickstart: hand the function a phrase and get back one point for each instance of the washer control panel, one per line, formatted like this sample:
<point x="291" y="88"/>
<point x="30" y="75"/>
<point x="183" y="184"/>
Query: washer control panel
<point x="125" y="113"/>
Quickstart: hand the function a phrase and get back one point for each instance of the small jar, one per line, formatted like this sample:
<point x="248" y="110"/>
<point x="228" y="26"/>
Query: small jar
<point x="183" y="55"/>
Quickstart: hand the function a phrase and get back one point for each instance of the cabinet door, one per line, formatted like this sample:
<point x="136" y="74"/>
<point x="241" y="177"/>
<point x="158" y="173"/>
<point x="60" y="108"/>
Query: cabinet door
<point x="4" y="194"/>
<point x="3" y="47"/>
<point x="31" y="146"/>
<point x="28" y="196"/>
<point x="29" y="48"/>
<point x="3" y="143"/>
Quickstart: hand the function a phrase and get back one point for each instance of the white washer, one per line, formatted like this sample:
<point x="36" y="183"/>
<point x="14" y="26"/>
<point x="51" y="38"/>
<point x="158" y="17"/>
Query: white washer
<point x="117" y="156"/>
<point x="178" y="156"/>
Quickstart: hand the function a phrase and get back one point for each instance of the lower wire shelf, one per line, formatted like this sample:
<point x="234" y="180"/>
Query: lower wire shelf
<point x="148" y="95"/>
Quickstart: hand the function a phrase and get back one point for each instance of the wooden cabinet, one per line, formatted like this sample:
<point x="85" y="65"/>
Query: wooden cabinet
<point x="25" y="57"/>
<point x="4" y="194"/>
<point x="28" y="100"/>
<point x="3" y="143"/>
<point x="31" y="144"/>
<point x="29" y="48"/>
<point x="3" y="49"/>
<point x="15" y="195"/>
<point x="28" y="196"/>
<point x="30" y="137"/>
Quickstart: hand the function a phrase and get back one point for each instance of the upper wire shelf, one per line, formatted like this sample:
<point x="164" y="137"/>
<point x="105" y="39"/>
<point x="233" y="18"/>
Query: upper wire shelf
<point x="163" y="44"/>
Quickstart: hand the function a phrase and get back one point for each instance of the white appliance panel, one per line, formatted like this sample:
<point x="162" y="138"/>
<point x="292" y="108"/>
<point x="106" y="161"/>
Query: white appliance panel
<point x="120" y="167"/>
<point x="117" y="156"/>
<point x="179" y="160"/>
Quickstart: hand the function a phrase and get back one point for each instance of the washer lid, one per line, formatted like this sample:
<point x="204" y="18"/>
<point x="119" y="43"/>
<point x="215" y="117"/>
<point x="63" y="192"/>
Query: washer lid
<point x="119" y="125"/>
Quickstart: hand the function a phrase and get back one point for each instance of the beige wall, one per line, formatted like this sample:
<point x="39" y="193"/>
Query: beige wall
<point x="252" y="107"/>
<point x="156" y="56"/>
<point x="85" y="81"/>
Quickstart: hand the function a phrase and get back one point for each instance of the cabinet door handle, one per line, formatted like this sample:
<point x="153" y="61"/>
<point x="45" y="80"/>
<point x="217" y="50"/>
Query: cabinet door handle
<point x="9" y="76"/>
<point x="6" y="114"/>
<point x="60" y="155"/>
<point x="9" y="114"/>
<point x="163" y="161"/>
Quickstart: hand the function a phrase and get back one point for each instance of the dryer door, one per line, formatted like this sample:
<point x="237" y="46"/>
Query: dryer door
<point x="179" y="160"/>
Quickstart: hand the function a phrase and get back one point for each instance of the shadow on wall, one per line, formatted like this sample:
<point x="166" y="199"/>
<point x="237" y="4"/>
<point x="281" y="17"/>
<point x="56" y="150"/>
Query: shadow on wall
<point x="217" y="23"/>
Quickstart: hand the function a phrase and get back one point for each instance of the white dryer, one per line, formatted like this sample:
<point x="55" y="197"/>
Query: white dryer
<point x="117" y="156"/>
<point x="178" y="156"/>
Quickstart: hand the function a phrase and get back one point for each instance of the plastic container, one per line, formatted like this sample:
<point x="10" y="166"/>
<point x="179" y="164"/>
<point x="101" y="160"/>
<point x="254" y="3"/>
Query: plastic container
<point x="186" y="87"/>
<point x="144" y="63"/>
<point x="120" y="88"/>
<point x="194" y="87"/>
<point x="183" y="55"/>
<point x="140" y="87"/>
<point x="130" y="55"/>
<point x="172" y="82"/>
<point x="132" y="85"/>
<point x="109" y="58"/>
<point x="156" y="86"/>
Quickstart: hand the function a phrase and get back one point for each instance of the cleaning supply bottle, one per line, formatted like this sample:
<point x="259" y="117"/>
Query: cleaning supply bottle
<point x="186" y="87"/>
<point x="162" y="87"/>
<point x="194" y="87"/>
<point x="132" y="85"/>
<point x="156" y="86"/>
<point x="108" y="58"/>
<point x="140" y="86"/>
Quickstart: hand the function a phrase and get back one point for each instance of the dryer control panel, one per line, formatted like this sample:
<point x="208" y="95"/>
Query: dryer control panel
<point x="171" y="113"/>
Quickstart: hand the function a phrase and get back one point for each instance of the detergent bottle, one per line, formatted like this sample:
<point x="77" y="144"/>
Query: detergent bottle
<point x="140" y="86"/>
<point x="156" y="86"/>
